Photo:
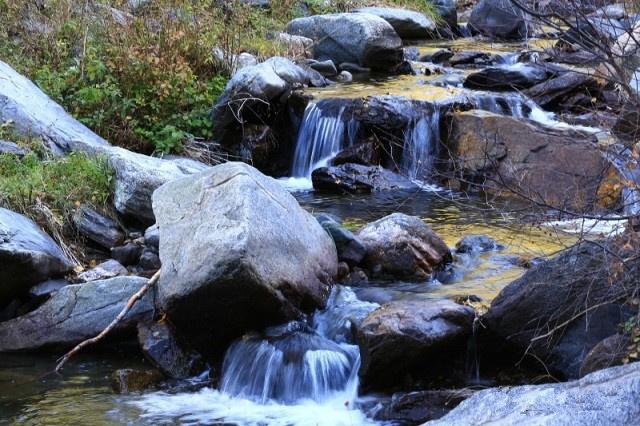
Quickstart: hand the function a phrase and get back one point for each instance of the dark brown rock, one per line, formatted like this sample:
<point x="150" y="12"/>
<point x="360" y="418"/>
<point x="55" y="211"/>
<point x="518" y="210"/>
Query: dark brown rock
<point x="608" y="353"/>
<point x="128" y="380"/>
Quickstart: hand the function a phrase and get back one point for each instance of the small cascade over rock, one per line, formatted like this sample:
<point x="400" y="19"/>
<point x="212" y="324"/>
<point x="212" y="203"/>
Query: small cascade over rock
<point x="324" y="131"/>
<point x="421" y="145"/>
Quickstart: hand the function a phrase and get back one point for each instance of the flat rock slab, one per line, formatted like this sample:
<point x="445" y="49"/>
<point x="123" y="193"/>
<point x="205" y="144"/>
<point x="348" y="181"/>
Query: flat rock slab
<point x="75" y="313"/>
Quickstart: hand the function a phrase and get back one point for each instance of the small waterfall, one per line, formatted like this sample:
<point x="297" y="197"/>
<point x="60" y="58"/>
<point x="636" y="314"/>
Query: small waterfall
<point x="421" y="145"/>
<point x="323" y="133"/>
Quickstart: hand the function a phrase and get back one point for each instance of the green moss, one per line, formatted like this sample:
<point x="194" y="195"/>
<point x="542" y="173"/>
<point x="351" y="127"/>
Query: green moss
<point x="61" y="184"/>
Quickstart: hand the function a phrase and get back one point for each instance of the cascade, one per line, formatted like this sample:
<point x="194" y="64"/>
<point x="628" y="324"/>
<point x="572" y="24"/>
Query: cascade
<point x="323" y="133"/>
<point x="421" y="145"/>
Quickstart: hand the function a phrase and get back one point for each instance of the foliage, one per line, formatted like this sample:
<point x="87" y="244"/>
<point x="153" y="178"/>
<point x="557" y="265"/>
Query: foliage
<point x="59" y="183"/>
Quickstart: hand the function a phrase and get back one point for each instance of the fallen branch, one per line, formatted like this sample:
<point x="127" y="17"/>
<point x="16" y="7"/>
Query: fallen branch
<point x="130" y="304"/>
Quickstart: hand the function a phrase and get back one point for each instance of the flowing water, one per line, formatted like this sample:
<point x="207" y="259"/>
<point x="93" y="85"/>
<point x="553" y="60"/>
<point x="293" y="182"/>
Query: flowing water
<point x="305" y="373"/>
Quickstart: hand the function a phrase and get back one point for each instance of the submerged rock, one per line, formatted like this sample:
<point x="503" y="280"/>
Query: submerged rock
<point x="477" y="243"/>
<point x="498" y="19"/>
<point x="358" y="178"/>
<point x="129" y="380"/>
<point x="412" y="339"/>
<point x="96" y="227"/>
<point x="28" y="256"/>
<point x="422" y="406"/>
<point x="573" y="301"/>
<point x="362" y="38"/>
<point x="238" y="253"/>
<point x="75" y="313"/>
<point x="136" y="176"/>
<point x="511" y="156"/>
<point x="407" y="23"/>
<point x="161" y="347"/>
<point x="606" y="397"/>
<point x="402" y="246"/>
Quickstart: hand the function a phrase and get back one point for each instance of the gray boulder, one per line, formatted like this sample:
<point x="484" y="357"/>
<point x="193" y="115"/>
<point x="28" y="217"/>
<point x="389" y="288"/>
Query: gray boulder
<point x="75" y="313"/>
<point x="402" y="246"/>
<point x="517" y="77"/>
<point x="362" y="38"/>
<point x="606" y="397"/>
<point x="28" y="256"/>
<point x="448" y="11"/>
<point x="498" y="19"/>
<point x="136" y="176"/>
<point x="409" y="338"/>
<point x="407" y="23"/>
<point x="7" y="147"/>
<point x="101" y="230"/>
<point x="349" y="247"/>
<point x="238" y="253"/>
<point x="108" y="269"/>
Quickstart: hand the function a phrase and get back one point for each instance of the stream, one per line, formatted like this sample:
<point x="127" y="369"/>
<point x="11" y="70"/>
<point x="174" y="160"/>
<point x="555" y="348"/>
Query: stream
<point x="306" y="373"/>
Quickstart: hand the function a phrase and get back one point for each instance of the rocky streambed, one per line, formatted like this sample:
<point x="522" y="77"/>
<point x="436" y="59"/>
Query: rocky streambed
<point x="395" y="251"/>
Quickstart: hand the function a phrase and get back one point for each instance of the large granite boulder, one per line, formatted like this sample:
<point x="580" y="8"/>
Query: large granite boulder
<point x="360" y="38"/>
<point x="35" y="114"/>
<point x="28" y="256"/>
<point x="558" y="168"/>
<point x="238" y="254"/>
<point x="76" y="313"/>
<point x="253" y="111"/>
<point x="561" y="309"/>
<point x="498" y="19"/>
<point x="412" y="338"/>
<point x="606" y="397"/>
<point x="401" y="246"/>
<point x="407" y="23"/>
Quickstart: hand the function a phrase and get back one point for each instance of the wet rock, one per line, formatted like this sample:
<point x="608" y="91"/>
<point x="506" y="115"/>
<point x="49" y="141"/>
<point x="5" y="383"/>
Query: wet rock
<point x="357" y="178"/>
<point x="48" y="288"/>
<point x="605" y="397"/>
<point x="345" y="77"/>
<point x="27" y="256"/>
<point x="422" y="406"/>
<point x="411" y="53"/>
<point x="407" y="23"/>
<point x="549" y="299"/>
<point x="354" y="68"/>
<point x="402" y="246"/>
<point x="477" y="244"/>
<point x="75" y="313"/>
<point x="267" y="260"/>
<point x="411" y="339"/>
<point x="128" y="380"/>
<point x="128" y="254"/>
<point x="515" y="157"/>
<point x="152" y="236"/>
<point x="557" y="92"/>
<point x="364" y="39"/>
<point x="498" y="19"/>
<point x="136" y="176"/>
<point x="517" y="77"/>
<point x="108" y="269"/>
<point x="469" y="58"/>
<point x="365" y="153"/>
<point x="98" y="228"/>
<point x="252" y="112"/>
<point x="326" y="68"/>
<point x="161" y="347"/>
<point x="608" y="353"/>
<point x="149" y="260"/>
<point x="349" y="247"/>
<point x="11" y="148"/>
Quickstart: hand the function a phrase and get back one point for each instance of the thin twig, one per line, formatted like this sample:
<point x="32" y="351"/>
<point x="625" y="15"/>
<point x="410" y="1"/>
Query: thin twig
<point x="130" y="304"/>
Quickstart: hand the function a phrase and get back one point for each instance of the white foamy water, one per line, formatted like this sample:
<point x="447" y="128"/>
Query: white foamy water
<point x="296" y="184"/>
<point x="209" y="406"/>
<point x="609" y="227"/>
